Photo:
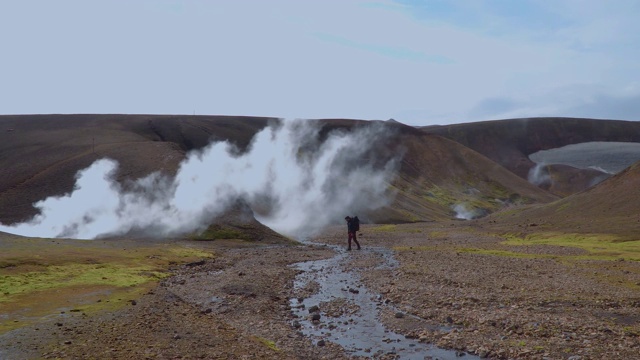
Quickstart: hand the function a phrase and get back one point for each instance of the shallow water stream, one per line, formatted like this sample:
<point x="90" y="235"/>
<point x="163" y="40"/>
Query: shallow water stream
<point x="349" y="313"/>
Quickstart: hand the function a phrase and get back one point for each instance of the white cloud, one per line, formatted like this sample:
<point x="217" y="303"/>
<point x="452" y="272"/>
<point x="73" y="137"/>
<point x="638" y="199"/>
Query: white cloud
<point x="417" y="64"/>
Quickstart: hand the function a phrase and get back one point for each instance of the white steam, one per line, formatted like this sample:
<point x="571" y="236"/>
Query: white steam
<point x="295" y="183"/>
<point x="598" y="168"/>
<point x="539" y="175"/>
<point x="463" y="213"/>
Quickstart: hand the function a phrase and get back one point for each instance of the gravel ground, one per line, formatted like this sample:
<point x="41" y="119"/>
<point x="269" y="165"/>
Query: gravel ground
<point x="236" y="306"/>
<point x="506" y="307"/>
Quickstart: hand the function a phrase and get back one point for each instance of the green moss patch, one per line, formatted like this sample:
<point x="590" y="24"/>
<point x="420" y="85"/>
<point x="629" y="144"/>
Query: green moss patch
<point x="598" y="246"/>
<point x="219" y="232"/>
<point x="80" y="275"/>
<point x="268" y="343"/>
<point x="504" y="253"/>
<point x="384" y="228"/>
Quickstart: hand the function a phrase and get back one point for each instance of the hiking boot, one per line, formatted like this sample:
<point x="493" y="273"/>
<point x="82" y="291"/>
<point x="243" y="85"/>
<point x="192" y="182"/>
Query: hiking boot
<point x="348" y="249"/>
<point x="359" y="248"/>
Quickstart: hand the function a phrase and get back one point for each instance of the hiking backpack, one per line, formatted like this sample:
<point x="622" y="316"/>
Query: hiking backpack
<point x="356" y="223"/>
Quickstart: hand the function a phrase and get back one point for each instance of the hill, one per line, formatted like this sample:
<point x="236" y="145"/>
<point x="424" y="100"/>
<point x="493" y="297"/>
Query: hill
<point x="436" y="179"/>
<point x="440" y="179"/>
<point x="510" y="142"/>
<point x="40" y="154"/>
<point x="611" y="207"/>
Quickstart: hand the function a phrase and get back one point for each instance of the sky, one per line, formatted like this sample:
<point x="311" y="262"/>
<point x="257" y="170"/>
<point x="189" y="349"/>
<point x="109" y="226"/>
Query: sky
<point x="418" y="62"/>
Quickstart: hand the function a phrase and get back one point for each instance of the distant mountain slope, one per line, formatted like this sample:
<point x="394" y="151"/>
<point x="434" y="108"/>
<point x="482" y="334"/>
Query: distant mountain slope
<point x="437" y="178"/>
<point x="611" y="207"/>
<point x="40" y="154"/>
<point x="440" y="179"/>
<point x="510" y="142"/>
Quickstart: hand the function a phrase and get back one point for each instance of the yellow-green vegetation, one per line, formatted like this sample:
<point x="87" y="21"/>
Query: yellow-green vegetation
<point x="598" y="246"/>
<point x="440" y="196"/>
<point x="270" y="344"/>
<point x="384" y="228"/>
<point x="504" y="253"/>
<point x="50" y="277"/>
<point x="410" y="216"/>
<point x="80" y="275"/>
<point x="438" y="234"/>
<point x="218" y="232"/>
<point x="394" y="228"/>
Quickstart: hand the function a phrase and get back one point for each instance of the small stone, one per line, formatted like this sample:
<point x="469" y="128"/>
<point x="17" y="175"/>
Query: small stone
<point x="314" y="308"/>
<point x="315" y="317"/>
<point x="399" y="315"/>
<point x="296" y="324"/>
<point x="320" y="343"/>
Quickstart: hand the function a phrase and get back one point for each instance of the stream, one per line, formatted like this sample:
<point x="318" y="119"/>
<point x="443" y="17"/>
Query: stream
<point x="345" y="312"/>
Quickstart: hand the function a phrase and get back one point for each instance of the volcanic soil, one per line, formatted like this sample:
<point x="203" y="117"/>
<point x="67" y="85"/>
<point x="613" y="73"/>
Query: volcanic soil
<point x="459" y="285"/>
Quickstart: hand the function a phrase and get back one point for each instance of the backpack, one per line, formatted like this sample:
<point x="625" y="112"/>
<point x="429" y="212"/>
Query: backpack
<point x="355" y="223"/>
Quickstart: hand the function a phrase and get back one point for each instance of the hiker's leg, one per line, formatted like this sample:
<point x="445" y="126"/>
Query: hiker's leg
<point x="355" y="239"/>
<point x="350" y="236"/>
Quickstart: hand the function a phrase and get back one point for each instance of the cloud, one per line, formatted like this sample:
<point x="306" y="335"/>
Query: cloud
<point x="607" y="106"/>
<point x="584" y="100"/>
<point x="419" y="62"/>
<point x="491" y="106"/>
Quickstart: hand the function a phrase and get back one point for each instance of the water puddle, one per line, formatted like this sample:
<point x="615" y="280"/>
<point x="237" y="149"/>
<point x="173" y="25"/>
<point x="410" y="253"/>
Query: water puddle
<point x="344" y="312"/>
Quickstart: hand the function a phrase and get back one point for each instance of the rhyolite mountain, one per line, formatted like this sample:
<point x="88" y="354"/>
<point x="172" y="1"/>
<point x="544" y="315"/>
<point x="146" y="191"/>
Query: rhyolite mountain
<point x="440" y="176"/>
<point x="510" y="143"/>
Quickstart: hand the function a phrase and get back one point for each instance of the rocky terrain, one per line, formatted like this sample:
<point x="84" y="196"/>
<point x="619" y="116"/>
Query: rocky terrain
<point x="455" y="285"/>
<point x="536" y="277"/>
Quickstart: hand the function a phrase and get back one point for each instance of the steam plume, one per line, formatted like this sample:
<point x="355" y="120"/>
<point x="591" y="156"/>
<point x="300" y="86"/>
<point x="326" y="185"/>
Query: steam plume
<point x="462" y="212"/>
<point x="299" y="182"/>
<point x="539" y="175"/>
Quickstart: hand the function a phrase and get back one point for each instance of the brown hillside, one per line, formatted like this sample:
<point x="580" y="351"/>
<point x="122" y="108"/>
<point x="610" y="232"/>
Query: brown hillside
<point x="510" y="142"/>
<point x="41" y="154"/>
<point x="564" y="180"/>
<point x="611" y="207"/>
<point x="436" y="174"/>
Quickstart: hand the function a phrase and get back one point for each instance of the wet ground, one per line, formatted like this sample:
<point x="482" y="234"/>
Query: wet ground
<point x="343" y="311"/>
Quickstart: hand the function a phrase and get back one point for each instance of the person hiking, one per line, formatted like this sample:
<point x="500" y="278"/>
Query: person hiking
<point x="353" y="225"/>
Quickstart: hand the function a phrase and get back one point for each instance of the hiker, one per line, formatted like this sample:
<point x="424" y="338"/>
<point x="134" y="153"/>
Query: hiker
<point x="353" y="225"/>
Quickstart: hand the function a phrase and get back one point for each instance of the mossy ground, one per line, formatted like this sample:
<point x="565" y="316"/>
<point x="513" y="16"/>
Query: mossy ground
<point x="40" y="277"/>
<point x="393" y="228"/>
<point x="598" y="246"/>
<point x="218" y="232"/>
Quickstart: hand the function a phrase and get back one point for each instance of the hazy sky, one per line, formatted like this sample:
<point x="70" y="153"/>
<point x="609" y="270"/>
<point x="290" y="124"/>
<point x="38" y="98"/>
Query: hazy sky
<point x="420" y="62"/>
